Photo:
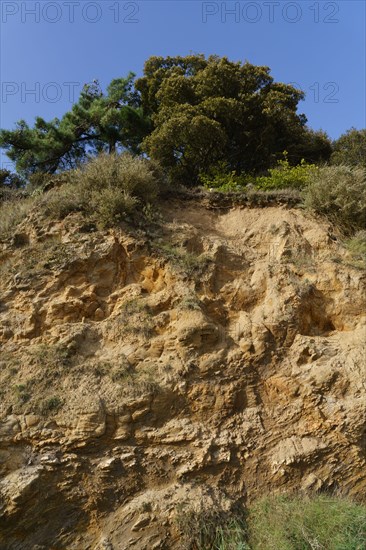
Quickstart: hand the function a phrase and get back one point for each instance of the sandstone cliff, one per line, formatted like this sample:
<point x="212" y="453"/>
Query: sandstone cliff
<point x="212" y="357"/>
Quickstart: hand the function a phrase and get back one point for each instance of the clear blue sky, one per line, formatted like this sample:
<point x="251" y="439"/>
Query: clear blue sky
<point x="54" y="47"/>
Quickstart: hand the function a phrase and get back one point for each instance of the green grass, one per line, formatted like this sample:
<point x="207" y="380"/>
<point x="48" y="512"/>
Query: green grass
<point x="135" y="318"/>
<point x="279" y="523"/>
<point x="12" y="214"/>
<point x="183" y="260"/>
<point x="322" y="522"/>
<point x="212" y="530"/>
<point x="50" y="405"/>
<point x="356" y="246"/>
<point x="51" y="356"/>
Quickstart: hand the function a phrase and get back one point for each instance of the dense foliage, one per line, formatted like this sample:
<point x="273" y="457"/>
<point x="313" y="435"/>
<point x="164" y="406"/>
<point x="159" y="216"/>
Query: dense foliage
<point x="105" y="191"/>
<point x="205" y="121"/>
<point x="9" y="180"/>
<point x="97" y="122"/>
<point x="350" y="148"/>
<point x="206" y="111"/>
<point x="189" y="113"/>
<point x="219" y="177"/>
<point x="284" y="176"/>
<point x="339" y="193"/>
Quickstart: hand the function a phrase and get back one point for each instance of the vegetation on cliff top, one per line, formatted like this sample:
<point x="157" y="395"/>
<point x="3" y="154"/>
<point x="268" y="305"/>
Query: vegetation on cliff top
<point x="188" y="113"/>
<point x="223" y="125"/>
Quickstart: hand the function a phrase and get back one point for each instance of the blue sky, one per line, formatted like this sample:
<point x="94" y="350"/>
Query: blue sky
<point x="54" y="47"/>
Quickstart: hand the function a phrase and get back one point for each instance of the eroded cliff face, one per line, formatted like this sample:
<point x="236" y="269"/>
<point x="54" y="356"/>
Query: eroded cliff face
<point x="206" y="362"/>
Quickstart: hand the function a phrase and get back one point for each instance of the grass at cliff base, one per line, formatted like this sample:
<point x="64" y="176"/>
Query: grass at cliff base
<point x="280" y="523"/>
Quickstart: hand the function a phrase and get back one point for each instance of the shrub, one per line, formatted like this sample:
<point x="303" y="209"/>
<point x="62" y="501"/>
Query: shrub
<point x="12" y="213"/>
<point x="285" y="176"/>
<point x="52" y="404"/>
<point x="132" y="175"/>
<point x="189" y="301"/>
<point x="183" y="260"/>
<point x="357" y="248"/>
<point x="106" y="189"/>
<point x="339" y="193"/>
<point x="8" y="194"/>
<point x="220" y="178"/>
<point x="212" y="529"/>
<point x="22" y="392"/>
<point x="350" y="148"/>
<point x="135" y="318"/>
<point x="357" y="245"/>
<point x="41" y="180"/>
<point x="59" y="203"/>
<point x="112" y="205"/>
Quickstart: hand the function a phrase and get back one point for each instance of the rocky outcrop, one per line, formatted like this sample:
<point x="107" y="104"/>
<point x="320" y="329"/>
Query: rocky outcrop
<point x="146" y="373"/>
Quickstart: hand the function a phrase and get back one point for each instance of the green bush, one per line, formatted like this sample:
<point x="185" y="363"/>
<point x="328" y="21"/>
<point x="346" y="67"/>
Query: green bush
<point x="22" y="392"/>
<point x="220" y="178"/>
<point x="350" y="148"/>
<point x="106" y="189"/>
<point x="356" y="246"/>
<point x="134" y="176"/>
<point x="112" y="205"/>
<point x="12" y="213"/>
<point x="181" y="259"/>
<point x="339" y="193"/>
<point x="41" y="180"/>
<point x="59" y="203"/>
<point x="285" y="176"/>
<point x="52" y="404"/>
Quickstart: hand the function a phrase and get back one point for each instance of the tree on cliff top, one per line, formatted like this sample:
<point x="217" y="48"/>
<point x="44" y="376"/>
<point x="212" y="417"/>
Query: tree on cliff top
<point x="189" y="113"/>
<point x="97" y="122"/>
<point x="350" y="148"/>
<point x="209" y="110"/>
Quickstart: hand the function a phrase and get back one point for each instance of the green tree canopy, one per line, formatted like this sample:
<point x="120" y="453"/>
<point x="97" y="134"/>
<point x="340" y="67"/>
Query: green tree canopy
<point x="350" y="148"/>
<point x="189" y="113"/>
<point x="209" y="110"/>
<point x="9" y="180"/>
<point x="97" y="122"/>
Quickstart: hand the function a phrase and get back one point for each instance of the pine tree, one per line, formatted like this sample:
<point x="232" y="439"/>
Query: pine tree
<point x="97" y="122"/>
